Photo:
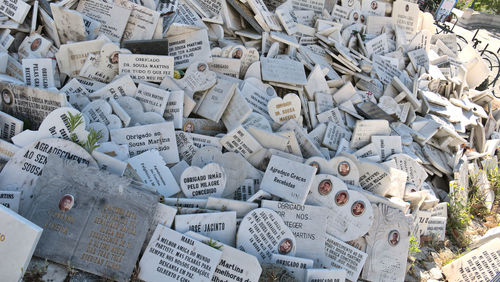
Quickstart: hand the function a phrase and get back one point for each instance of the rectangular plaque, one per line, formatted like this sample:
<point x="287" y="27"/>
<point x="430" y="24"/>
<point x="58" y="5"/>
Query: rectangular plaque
<point x="92" y="219"/>
<point x="283" y="71"/>
<point x="146" y="67"/>
<point x="113" y="18"/>
<point x="28" y="103"/>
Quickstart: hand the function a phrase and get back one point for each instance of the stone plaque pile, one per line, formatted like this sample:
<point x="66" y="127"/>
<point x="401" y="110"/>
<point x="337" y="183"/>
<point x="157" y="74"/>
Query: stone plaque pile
<point x="195" y="140"/>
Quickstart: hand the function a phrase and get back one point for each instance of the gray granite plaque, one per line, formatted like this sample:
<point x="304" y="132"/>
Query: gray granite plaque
<point x="92" y="220"/>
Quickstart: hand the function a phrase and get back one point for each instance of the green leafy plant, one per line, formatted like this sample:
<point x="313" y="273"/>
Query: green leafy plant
<point x="92" y="139"/>
<point x="488" y="6"/>
<point x="459" y="216"/>
<point x="212" y="244"/>
<point x="494" y="178"/>
<point x="74" y="121"/>
<point x="477" y="203"/>
<point x="94" y="136"/>
<point x="414" y="246"/>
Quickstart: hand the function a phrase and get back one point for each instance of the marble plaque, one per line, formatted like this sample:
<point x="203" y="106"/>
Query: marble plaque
<point x="415" y="172"/>
<point x="101" y="111"/>
<point x="307" y="146"/>
<point x="234" y="264"/>
<point x="14" y="69"/>
<point x="16" y="10"/>
<point x="141" y="23"/>
<point x="189" y="47"/>
<point x="342" y="167"/>
<point x="18" y="238"/>
<point x="71" y="57"/>
<point x="338" y="254"/>
<point x="288" y="180"/>
<point x="159" y="136"/>
<point x="164" y="215"/>
<point x="350" y="214"/>
<point x="175" y="107"/>
<point x="296" y="266"/>
<point x="262" y="233"/>
<point x="185" y="145"/>
<point x="206" y="155"/>
<point x="10" y="199"/>
<point x="316" y="6"/>
<point x="237" y="111"/>
<point x="27" y="103"/>
<point x="257" y="121"/>
<point x="152" y="170"/>
<point x="406" y="16"/>
<point x="69" y="23"/>
<point x="9" y="126"/>
<point x="220" y="226"/>
<point x="387" y="245"/>
<point x="7" y="150"/>
<point x="325" y="275"/>
<point x="378" y="45"/>
<point x="364" y="129"/>
<point x="203" y="182"/>
<point x="29" y="162"/>
<point x="481" y="264"/>
<point x="282" y="110"/>
<point x="239" y="140"/>
<point x="228" y="66"/>
<point x="374" y="7"/>
<point x="440" y="210"/>
<point x="258" y="95"/>
<point x="323" y="102"/>
<point x="334" y="134"/>
<point x="172" y="256"/>
<point x="113" y="18"/>
<point x="386" y="68"/>
<point x="55" y="125"/>
<point x="186" y="202"/>
<point x="436" y="226"/>
<point x="92" y="219"/>
<point x="241" y="208"/>
<point x="283" y="71"/>
<point x="246" y="13"/>
<point x="286" y="19"/>
<point x="418" y="58"/>
<point x="245" y="191"/>
<point x="198" y="78"/>
<point x="39" y="73"/>
<point x="307" y="223"/>
<point x="201" y="141"/>
<point x="151" y="68"/>
<point x="152" y="98"/>
<point x="216" y="100"/>
<point x="387" y="145"/>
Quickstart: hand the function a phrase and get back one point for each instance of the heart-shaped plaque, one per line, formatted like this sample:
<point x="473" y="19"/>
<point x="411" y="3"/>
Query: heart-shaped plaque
<point x="205" y="182"/>
<point x="282" y="110"/>
<point x="100" y="110"/>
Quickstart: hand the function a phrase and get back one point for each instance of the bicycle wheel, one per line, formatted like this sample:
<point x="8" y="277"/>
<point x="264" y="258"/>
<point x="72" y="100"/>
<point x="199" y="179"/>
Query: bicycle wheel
<point x="493" y="63"/>
<point x="461" y="41"/>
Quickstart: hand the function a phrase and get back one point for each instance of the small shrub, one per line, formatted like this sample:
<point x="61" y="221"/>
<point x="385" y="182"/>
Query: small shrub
<point x="459" y="216"/>
<point x="414" y="246"/>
